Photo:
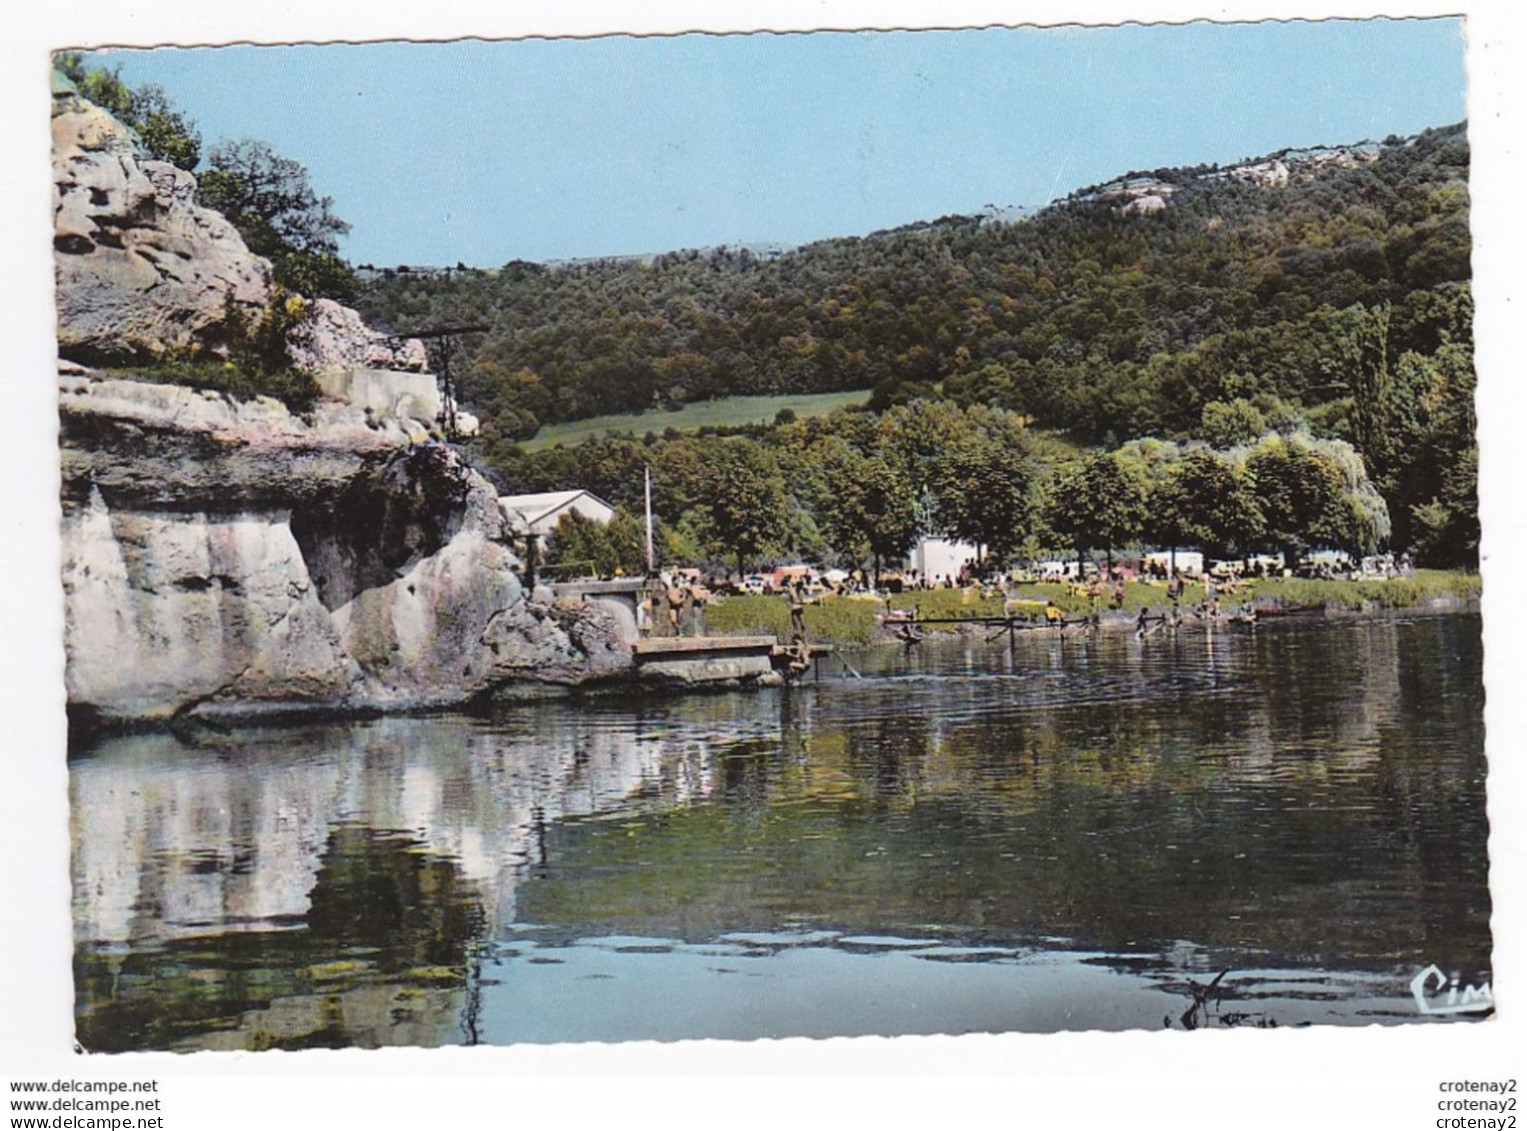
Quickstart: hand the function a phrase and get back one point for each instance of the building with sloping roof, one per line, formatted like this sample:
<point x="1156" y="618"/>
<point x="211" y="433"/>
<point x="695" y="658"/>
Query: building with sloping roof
<point x="540" y="513"/>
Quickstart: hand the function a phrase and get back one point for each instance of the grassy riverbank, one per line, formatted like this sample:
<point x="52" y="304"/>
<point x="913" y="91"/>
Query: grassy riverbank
<point x="852" y="620"/>
<point x="841" y="620"/>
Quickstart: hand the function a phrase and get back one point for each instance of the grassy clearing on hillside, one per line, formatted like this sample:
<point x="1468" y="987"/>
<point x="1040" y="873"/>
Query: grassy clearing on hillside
<point x="847" y="620"/>
<point x="726" y="412"/>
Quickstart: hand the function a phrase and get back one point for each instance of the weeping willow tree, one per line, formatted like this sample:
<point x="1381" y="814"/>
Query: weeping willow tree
<point x="1369" y="527"/>
<point x="1315" y="492"/>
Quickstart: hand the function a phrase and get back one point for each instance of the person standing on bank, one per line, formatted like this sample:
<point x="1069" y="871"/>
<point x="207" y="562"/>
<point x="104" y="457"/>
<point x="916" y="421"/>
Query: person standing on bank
<point x="673" y="593"/>
<point x="797" y="610"/>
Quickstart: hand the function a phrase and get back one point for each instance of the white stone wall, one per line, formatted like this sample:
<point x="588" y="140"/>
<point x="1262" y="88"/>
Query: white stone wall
<point x="386" y="392"/>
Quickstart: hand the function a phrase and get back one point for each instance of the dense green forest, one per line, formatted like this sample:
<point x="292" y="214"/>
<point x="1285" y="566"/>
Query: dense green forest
<point x="1271" y="356"/>
<point x="1335" y="308"/>
<point x="1081" y="317"/>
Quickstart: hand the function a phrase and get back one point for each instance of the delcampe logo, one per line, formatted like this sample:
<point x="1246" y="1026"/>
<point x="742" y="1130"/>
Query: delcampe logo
<point x="1427" y="986"/>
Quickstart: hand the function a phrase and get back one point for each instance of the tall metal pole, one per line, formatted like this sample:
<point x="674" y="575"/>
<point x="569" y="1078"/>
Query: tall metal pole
<point x="448" y="407"/>
<point x="647" y="489"/>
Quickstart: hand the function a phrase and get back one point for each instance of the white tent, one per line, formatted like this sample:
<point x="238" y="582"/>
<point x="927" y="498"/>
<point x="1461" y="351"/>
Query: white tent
<point x="1188" y="561"/>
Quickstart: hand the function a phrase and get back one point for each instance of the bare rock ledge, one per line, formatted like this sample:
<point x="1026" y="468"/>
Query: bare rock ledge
<point x="227" y="559"/>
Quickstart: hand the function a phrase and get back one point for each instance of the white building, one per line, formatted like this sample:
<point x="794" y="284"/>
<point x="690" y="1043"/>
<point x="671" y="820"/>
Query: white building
<point x="540" y="513"/>
<point x="1188" y="561"/>
<point x="938" y="557"/>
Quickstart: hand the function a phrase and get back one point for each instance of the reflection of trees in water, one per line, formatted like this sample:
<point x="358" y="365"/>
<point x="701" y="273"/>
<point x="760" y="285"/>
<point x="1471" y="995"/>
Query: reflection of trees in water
<point x="388" y="896"/>
<point x="1205" y="705"/>
<point x="1434" y="808"/>
<point x="890" y="754"/>
<point x="742" y="771"/>
<point x="1119" y="799"/>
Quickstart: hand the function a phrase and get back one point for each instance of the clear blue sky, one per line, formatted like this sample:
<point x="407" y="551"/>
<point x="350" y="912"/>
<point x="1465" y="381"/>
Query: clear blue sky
<point x="544" y="149"/>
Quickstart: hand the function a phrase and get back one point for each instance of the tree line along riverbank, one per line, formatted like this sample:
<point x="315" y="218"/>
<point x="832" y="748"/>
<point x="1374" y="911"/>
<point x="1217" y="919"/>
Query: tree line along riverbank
<point x="857" y="620"/>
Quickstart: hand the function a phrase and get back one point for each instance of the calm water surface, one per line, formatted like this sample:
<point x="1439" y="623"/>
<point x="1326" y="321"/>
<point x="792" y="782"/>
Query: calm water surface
<point x="1067" y="834"/>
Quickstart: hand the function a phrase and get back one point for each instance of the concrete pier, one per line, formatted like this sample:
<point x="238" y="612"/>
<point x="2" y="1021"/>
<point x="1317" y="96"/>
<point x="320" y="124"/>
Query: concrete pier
<point x="695" y="660"/>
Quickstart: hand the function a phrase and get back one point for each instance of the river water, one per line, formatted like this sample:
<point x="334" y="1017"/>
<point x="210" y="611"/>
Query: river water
<point x="1225" y="828"/>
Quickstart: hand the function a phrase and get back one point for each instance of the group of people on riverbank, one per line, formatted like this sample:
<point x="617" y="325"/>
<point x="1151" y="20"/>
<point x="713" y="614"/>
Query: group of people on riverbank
<point x="672" y="605"/>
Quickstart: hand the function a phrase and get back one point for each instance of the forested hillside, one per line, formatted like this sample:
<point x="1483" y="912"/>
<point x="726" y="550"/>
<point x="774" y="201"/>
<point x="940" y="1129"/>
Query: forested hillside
<point x="1183" y="305"/>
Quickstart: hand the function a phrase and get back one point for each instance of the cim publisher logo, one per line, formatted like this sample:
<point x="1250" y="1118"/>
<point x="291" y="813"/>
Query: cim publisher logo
<point x="1427" y="986"/>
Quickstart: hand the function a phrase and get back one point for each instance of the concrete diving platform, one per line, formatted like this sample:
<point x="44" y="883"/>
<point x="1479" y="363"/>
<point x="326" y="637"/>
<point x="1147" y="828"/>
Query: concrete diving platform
<point x="693" y="660"/>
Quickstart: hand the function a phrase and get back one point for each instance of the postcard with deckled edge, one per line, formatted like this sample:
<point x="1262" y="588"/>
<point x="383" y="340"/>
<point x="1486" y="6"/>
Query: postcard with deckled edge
<point x="779" y="546"/>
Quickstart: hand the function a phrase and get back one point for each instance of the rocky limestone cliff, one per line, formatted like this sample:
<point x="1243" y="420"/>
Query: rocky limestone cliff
<point x="142" y="270"/>
<point x="227" y="558"/>
<point x="231" y="560"/>
<point x="333" y="338"/>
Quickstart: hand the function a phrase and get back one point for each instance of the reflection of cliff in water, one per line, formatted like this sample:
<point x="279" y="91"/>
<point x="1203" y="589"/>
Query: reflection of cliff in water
<point x="1311" y="795"/>
<point x="315" y="866"/>
<point x="380" y="959"/>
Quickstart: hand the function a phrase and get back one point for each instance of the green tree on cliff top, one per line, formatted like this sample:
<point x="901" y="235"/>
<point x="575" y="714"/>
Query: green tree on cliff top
<point x="167" y="134"/>
<point x="265" y="196"/>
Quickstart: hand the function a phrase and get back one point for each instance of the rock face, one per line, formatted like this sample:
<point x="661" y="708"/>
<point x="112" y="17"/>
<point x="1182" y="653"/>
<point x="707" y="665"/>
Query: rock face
<point x="225" y="559"/>
<point x="142" y="270"/>
<point x="1145" y="206"/>
<point x="333" y="337"/>
<point x="232" y="559"/>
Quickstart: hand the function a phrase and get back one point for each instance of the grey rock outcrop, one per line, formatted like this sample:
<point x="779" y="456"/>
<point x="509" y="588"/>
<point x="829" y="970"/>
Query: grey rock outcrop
<point x="535" y="638"/>
<point x="142" y="270"/>
<point x="332" y="336"/>
<point x="1145" y="206"/>
<point x="228" y="559"/>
